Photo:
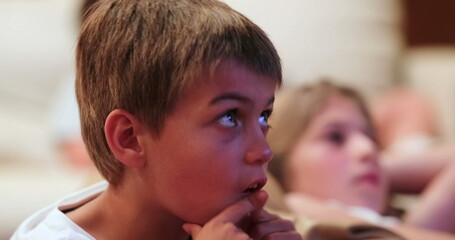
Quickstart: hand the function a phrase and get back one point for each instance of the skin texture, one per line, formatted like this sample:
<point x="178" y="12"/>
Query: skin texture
<point x="337" y="158"/>
<point x="211" y="148"/>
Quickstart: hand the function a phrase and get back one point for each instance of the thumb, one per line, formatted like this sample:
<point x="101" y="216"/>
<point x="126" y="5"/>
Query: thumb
<point x="192" y="229"/>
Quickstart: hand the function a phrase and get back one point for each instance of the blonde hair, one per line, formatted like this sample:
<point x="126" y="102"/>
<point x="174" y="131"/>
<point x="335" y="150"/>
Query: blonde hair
<point x="293" y="112"/>
<point x="141" y="55"/>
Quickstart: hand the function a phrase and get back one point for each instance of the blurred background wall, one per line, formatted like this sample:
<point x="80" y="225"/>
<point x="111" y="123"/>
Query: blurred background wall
<point x="36" y="49"/>
<point x="371" y="45"/>
<point x="357" y="42"/>
<point x="428" y="64"/>
<point x="37" y="40"/>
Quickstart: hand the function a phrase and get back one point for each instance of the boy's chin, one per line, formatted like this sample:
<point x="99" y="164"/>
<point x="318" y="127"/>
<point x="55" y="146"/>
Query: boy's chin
<point x="202" y="215"/>
<point x="208" y="215"/>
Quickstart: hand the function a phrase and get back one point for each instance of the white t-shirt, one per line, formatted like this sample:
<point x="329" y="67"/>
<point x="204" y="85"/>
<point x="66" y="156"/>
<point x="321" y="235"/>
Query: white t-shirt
<point x="51" y="223"/>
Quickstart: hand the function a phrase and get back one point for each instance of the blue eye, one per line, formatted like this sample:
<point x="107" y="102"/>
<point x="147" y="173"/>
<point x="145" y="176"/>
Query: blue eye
<point x="228" y="119"/>
<point x="264" y="118"/>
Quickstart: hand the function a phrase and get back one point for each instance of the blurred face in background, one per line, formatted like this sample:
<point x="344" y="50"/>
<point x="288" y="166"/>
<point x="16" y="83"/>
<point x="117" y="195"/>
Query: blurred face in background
<point x="336" y="157"/>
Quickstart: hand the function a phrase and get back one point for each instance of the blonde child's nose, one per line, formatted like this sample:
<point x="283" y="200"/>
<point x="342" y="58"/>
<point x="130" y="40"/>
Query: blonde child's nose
<point x="363" y="148"/>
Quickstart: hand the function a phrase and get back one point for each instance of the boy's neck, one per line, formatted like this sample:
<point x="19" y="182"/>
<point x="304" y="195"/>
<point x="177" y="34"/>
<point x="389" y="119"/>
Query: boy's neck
<point x="109" y="216"/>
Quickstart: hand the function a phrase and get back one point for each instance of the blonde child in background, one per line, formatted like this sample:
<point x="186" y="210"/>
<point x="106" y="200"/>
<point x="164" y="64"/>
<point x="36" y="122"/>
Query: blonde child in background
<point x="174" y="98"/>
<point x="326" y="155"/>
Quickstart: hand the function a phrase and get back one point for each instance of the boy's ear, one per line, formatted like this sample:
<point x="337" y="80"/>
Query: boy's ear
<point x="123" y="133"/>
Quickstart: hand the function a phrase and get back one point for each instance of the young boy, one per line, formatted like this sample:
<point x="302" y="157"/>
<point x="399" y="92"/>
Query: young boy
<point x="174" y="98"/>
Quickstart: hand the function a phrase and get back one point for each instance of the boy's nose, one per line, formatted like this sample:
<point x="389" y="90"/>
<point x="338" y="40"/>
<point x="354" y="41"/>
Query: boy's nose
<point x="258" y="150"/>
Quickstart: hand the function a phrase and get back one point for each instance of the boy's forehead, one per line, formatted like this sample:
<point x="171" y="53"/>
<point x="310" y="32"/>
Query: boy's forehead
<point x="225" y="67"/>
<point x="227" y="74"/>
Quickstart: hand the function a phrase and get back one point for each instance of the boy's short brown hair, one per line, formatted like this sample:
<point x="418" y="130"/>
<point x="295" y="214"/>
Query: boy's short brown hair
<point x="141" y="55"/>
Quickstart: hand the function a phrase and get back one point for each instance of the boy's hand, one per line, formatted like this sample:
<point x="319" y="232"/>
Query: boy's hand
<point x="262" y="225"/>
<point x="267" y="226"/>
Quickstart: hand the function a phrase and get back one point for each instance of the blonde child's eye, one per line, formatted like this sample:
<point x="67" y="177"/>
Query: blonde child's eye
<point x="264" y="118"/>
<point x="228" y="119"/>
<point x="336" y="138"/>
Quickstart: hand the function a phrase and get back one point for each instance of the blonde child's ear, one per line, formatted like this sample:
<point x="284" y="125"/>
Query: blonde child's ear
<point x="122" y="131"/>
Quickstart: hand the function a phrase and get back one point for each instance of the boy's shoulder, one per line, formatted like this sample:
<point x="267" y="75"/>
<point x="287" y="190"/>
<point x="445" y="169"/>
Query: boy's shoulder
<point x="52" y="223"/>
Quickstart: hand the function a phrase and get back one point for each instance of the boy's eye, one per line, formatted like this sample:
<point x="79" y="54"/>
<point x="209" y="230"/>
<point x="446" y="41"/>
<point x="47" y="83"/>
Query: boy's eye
<point x="228" y="119"/>
<point x="336" y="137"/>
<point x="264" y="118"/>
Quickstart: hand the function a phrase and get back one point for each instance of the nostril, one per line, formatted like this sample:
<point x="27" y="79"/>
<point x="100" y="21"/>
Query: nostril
<point x="259" y="156"/>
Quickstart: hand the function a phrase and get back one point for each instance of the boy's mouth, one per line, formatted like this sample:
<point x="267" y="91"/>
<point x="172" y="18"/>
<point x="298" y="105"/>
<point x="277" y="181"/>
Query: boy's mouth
<point x="255" y="186"/>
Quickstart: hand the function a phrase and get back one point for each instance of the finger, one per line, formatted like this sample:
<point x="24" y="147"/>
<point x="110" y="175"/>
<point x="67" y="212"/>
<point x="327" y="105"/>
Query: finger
<point x="192" y="229"/>
<point x="259" y="216"/>
<point x="235" y="212"/>
<point x="264" y="229"/>
<point x="292" y="235"/>
<point x="258" y="199"/>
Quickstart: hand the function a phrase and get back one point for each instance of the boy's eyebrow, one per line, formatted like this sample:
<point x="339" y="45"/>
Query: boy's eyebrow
<point x="238" y="97"/>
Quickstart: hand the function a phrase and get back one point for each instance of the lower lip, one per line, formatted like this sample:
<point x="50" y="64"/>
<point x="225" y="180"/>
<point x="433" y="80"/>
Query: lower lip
<point x="370" y="179"/>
